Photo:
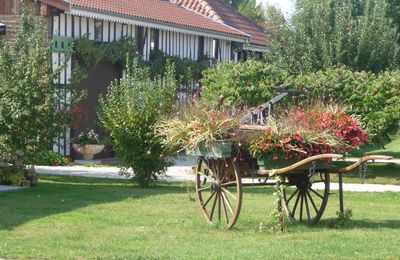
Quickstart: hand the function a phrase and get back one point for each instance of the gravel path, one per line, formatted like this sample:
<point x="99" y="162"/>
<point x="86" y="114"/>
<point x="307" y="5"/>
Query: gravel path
<point x="182" y="172"/>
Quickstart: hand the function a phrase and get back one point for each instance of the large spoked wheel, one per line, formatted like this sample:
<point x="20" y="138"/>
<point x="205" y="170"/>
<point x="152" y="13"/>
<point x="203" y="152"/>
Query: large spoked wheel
<point x="219" y="190"/>
<point x="301" y="200"/>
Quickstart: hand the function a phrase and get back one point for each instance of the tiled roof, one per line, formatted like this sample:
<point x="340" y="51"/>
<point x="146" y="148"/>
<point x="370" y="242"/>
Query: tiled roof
<point x="219" y="11"/>
<point x="163" y="11"/>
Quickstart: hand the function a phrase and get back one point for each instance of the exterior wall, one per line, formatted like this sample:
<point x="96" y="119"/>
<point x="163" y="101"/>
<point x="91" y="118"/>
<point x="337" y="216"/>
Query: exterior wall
<point x="170" y="42"/>
<point x="11" y="22"/>
<point x="14" y="7"/>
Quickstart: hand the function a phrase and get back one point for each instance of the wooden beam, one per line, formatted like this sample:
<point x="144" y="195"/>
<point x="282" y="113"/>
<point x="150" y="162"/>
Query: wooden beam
<point x="60" y="4"/>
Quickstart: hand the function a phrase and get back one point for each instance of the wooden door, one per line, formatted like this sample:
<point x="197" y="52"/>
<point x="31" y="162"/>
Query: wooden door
<point x="97" y="81"/>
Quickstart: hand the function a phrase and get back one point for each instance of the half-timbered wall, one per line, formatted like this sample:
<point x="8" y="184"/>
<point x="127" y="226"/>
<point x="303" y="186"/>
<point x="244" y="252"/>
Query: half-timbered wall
<point x="170" y="42"/>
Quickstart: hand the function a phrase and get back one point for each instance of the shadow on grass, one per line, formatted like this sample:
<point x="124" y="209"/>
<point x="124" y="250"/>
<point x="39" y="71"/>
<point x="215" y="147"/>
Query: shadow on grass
<point x="59" y="194"/>
<point x="360" y="223"/>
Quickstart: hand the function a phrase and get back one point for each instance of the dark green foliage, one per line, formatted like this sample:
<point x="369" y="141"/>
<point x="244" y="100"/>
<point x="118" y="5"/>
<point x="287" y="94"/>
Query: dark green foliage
<point x="186" y="69"/>
<point x="373" y="98"/>
<point x="129" y="113"/>
<point x="343" y="220"/>
<point x="29" y="114"/>
<point x="248" y="8"/>
<point x="90" y="53"/>
<point x="331" y="33"/>
<point x="241" y="84"/>
<point x="50" y="158"/>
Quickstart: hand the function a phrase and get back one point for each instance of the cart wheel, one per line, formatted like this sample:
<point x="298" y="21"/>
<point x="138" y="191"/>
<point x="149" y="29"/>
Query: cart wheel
<point x="219" y="189"/>
<point x="299" y="196"/>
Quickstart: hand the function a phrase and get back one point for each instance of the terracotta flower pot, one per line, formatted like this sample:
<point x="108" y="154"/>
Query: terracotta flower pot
<point x="89" y="150"/>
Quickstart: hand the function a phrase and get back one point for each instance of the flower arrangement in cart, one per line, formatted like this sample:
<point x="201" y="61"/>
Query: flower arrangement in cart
<point x="303" y="133"/>
<point x="290" y="135"/>
<point x="88" y="144"/>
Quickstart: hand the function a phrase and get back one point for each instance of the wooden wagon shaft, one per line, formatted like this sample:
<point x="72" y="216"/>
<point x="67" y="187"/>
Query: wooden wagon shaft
<point x="338" y="158"/>
<point x="358" y="163"/>
<point x="299" y="164"/>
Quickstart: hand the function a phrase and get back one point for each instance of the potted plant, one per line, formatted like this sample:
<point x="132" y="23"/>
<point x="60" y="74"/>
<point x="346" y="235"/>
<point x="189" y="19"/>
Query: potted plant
<point x="88" y="145"/>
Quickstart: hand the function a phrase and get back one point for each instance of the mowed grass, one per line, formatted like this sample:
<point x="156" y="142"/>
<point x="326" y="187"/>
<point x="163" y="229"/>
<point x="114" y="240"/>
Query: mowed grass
<point x="378" y="173"/>
<point x="82" y="218"/>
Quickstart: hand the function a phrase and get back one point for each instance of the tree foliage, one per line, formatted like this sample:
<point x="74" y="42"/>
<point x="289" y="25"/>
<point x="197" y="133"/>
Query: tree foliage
<point x="129" y="112"/>
<point x="331" y="33"/>
<point x="372" y="97"/>
<point x="249" y="8"/>
<point x="33" y="110"/>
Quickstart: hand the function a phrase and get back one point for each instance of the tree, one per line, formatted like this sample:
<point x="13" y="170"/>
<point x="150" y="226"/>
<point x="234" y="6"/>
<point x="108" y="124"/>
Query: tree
<point x="249" y="8"/>
<point x="331" y="33"/>
<point x="33" y="109"/>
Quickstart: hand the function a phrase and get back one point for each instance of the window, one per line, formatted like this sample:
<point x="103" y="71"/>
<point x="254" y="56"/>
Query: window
<point x="201" y="47"/>
<point x="154" y="37"/>
<point x="216" y="49"/>
<point x="98" y="30"/>
<point x="139" y="39"/>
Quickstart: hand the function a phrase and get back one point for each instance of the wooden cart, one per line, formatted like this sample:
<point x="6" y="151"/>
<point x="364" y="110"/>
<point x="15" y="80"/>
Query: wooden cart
<point x="220" y="182"/>
<point x="221" y="175"/>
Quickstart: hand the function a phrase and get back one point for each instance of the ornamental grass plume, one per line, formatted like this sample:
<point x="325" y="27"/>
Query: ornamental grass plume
<point x="195" y="126"/>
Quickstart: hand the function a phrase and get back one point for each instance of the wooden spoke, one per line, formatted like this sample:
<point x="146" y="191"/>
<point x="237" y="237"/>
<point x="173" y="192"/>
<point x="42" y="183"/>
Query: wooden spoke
<point x="307" y="207"/>
<point x="205" y="204"/>
<point x="205" y="189"/>
<point x="305" y="197"/>
<point x="312" y="201"/>
<point x="294" y="193"/>
<point x="296" y="203"/>
<point x="227" y="202"/>
<point x="205" y="176"/>
<point x="228" y="183"/>
<point x="219" y="207"/>
<point x="316" y="193"/>
<point x="213" y="207"/>
<point x="214" y="170"/>
<point x="301" y="207"/>
<point x="228" y="192"/>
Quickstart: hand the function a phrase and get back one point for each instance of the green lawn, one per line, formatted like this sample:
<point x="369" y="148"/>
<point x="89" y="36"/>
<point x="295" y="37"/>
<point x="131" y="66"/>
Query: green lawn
<point x="378" y="173"/>
<point x="81" y="218"/>
<point x="392" y="148"/>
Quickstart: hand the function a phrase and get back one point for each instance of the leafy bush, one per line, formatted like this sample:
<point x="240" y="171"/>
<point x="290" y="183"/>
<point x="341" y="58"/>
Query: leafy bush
<point x="30" y="102"/>
<point x="13" y="170"/>
<point x="50" y="158"/>
<point x="129" y="113"/>
<point x="373" y="98"/>
<point x="241" y="84"/>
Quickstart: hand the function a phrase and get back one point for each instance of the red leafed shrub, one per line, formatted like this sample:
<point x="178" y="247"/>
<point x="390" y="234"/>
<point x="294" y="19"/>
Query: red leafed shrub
<point x="300" y="134"/>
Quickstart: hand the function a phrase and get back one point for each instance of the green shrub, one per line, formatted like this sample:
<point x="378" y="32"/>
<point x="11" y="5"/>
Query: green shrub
<point x="30" y="101"/>
<point x="241" y="84"/>
<point x="13" y="170"/>
<point x="373" y="98"/>
<point x="129" y="113"/>
<point x="50" y="158"/>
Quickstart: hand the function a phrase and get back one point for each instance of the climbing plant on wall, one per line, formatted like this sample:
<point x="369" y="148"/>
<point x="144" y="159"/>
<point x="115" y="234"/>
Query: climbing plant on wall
<point x="90" y="53"/>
